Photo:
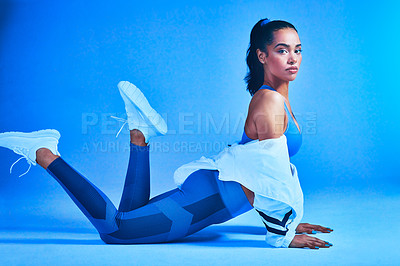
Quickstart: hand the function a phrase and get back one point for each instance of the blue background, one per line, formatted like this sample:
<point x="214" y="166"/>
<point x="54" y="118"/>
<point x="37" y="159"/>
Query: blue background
<point x="60" y="62"/>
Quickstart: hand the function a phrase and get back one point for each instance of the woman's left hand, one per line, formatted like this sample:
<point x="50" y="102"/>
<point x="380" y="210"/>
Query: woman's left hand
<point x="311" y="229"/>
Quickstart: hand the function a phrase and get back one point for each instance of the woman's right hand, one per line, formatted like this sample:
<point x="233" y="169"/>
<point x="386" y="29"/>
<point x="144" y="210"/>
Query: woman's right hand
<point x="305" y="241"/>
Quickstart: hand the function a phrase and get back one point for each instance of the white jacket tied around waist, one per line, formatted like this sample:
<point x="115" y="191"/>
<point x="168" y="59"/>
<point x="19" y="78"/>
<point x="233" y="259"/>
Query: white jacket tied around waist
<point x="264" y="168"/>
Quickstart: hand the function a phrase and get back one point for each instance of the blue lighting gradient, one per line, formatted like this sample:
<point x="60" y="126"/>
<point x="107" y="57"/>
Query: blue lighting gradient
<point x="61" y="61"/>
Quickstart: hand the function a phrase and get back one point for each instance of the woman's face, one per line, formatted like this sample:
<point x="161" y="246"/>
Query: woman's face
<point x="284" y="55"/>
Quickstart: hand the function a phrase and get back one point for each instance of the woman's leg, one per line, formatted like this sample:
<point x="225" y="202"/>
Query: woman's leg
<point x="136" y="191"/>
<point x="96" y="206"/>
<point x="203" y="200"/>
<point x="93" y="202"/>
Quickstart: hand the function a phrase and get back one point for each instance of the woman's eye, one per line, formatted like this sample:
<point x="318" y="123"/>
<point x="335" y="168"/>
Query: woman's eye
<point x="298" y="51"/>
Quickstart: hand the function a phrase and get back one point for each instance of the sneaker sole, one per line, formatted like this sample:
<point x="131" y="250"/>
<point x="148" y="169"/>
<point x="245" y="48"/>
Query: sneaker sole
<point x="138" y="99"/>
<point x="36" y="134"/>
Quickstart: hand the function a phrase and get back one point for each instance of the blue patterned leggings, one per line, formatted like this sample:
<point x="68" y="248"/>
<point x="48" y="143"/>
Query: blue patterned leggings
<point x="201" y="201"/>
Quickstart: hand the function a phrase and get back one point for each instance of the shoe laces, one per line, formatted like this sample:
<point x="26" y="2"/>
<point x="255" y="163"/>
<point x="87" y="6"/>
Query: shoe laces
<point x="24" y="153"/>
<point x="120" y="120"/>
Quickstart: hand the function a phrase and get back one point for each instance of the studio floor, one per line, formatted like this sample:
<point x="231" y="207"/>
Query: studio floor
<point x="364" y="223"/>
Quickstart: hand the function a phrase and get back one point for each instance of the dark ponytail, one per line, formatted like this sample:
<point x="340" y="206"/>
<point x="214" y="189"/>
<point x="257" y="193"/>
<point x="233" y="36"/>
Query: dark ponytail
<point x="261" y="35"/>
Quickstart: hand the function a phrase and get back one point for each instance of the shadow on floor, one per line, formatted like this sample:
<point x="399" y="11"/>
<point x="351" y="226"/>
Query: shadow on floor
<point x="238" y="229"/>
<point x="210" y="236"/>
<point x="52" y="241"/>
<point x="38" y="229"/>
<point x="214" y="236"/>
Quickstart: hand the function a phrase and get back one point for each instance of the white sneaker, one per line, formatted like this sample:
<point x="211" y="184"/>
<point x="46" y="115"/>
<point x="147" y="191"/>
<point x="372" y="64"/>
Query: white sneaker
<point x="26" y="144"/>
<point x="140" y="114"/>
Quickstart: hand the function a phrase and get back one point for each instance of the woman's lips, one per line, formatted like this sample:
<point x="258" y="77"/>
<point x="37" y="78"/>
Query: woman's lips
<point x="292" y="70"/>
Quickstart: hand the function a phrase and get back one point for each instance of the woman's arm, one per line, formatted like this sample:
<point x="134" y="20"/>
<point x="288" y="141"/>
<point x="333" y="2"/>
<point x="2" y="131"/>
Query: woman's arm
<point x="266" y="114"/>
<point x="268" y="117"/>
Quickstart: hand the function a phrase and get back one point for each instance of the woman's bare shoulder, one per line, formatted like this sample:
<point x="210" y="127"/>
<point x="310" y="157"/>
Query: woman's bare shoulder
<point x="267" y="101"/>
<point x="266" y="116"/>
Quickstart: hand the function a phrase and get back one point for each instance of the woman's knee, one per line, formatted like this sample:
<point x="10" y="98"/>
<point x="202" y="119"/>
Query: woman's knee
<point x="108" y="239"/>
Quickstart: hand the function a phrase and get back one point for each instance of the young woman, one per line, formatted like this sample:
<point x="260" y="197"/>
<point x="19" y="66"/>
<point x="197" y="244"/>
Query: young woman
<point x="273" y="58"/>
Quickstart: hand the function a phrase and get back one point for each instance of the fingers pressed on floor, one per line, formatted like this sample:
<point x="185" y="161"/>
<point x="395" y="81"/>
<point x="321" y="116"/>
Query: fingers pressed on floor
<point x="324" y="244"/>
<point x="323" y="229"/>
<point x="318" y="244"/>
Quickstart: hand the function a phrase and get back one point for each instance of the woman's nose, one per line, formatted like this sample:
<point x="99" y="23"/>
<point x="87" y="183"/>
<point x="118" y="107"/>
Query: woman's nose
<point x="292" y="59"/>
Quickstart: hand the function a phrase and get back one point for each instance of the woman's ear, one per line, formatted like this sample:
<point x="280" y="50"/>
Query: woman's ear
<point x="261" y="56"/>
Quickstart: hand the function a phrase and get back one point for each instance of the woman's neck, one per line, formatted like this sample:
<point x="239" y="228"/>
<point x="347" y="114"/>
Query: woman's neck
<point x="280" y="86"/>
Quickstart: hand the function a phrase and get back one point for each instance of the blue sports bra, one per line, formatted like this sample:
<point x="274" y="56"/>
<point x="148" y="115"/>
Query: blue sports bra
<point x="292" y="133"/>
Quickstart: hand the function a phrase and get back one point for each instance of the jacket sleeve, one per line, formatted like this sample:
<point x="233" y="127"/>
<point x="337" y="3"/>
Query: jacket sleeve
<point x="280" y="220"/>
